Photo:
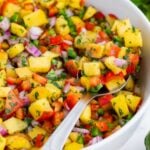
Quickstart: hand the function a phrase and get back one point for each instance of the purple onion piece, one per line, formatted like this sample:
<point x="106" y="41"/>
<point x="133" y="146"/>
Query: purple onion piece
<point x="5" y="24"/>
<point x="81" y="130"/>
<point x="52" y="21"/>
<point x="59" y="72"/>
<point x="35" y="32"/>
<point x="64" y="54"/>
<point x="66" y="88"/>
<point x="80" y="88"/>
<point x="33" y="50"/>
<point x="95" y="140"/>
<point x="3" y="131"/>
<point x="120" y="62"/>
<point x="67" y="42"/>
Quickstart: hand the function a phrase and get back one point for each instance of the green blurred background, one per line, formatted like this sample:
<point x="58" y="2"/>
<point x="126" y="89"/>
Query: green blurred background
<point x="144" y="5"/>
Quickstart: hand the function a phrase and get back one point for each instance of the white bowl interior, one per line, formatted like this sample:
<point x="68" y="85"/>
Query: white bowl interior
<point x="125" y="9"/>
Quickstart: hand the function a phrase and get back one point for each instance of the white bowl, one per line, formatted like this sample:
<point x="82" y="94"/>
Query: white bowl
<point x="125" y="9"/>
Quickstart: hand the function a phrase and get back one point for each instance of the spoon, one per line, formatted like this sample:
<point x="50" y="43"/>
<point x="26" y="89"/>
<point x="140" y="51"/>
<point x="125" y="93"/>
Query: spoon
<point x="60" y="135"/>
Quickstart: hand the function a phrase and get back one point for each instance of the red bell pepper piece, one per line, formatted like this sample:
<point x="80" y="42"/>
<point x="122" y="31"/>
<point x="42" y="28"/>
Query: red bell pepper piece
<point x="113" y="16"/>
<point x="131" y="69"/>
<point x="53" y="11"/>
<point x="72" y="99"/>
<point x="57" y="118"/>
<point x="39" y="140"/>
<point x="94" y="107"/>
<point x="114" y="51"/>
<point x="89" y="25"/>
<point x="134" y="59"/>
<point x="72" y="67"/>
<point x="99" y="15"/>
<point x="102" y="125"/>
<point x="87" y="138"/>
<point x="110" y="76"/>
<point x="46" y="116"/>
<point x="56" y="40"/>
<point x="104" y="100"/>
<point x="12" y="80"/>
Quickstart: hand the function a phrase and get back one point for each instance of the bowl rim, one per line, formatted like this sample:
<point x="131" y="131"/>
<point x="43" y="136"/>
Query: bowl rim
<point x="144" y="106"/>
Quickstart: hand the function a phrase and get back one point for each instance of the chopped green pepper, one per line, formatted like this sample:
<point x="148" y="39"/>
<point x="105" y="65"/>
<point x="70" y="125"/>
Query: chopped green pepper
<point x="95" y="131"/>
<point x="80" y="139"/>
<point x="100" y="111"/>
<point x="72" y="53"/>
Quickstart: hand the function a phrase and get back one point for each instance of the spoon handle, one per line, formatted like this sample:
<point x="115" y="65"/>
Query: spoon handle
<point x="58" y="138"/>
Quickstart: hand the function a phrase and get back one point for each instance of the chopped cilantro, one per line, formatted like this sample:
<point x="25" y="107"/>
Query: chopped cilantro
<point x="1" y="18"/>
<point x="96" y="89"/>
<point x="36" y="95"/>
<point x="52" y="76"/>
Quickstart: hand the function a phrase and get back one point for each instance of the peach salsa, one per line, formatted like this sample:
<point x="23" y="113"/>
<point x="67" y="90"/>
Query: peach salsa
<point x="51" y="53"/>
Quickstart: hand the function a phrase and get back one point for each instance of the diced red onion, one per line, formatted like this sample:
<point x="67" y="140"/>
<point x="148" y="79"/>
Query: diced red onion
<point x="66" y="88"/>
<point x="83" y="30"/>
<point x="13" y="41"/>
<point x="81" y="130"/>
<point x="69" y="12"/>
<point x="22" y="94"/>
<point x="59" y="72"/>
<point x="3" y="131"/>
<point x="80" y="88"/>
<point x="52" y="22"/>
<point x="35" y="32"/>
<point x="6" y="36"/>
<point x="95" y="140"/>
<point x="5" y="24"/>
<point x="26" y="101"/>
<point x="33" y="50"/>
<point x="67" y="42"/>
<point x="102" y="43"/>
<point x="120" y="62"/>
<point x="64" y="54"/>
<point x="34" y="123"/>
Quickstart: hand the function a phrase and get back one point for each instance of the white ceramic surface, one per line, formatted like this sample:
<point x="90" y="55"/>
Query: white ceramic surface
<point x="125" y="9"/>
<point x="136" y="142"/>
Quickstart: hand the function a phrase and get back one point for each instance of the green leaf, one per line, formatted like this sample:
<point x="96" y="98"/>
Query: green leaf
<point x="147" y="141"/>
<point x="144" y="5"/>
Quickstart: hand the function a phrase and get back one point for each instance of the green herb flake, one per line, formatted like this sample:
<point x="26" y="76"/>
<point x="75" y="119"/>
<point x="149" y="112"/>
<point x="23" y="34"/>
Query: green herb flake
<point x="95" y="131"/>
<point x="80" y="139"/>
<point x="36" y="95"/>
<point x="51" y="75"/>
<point x="1" y="18"/>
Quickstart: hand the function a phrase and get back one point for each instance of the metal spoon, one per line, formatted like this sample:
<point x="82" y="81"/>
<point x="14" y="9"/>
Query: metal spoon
<point x="60" y="135"/>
